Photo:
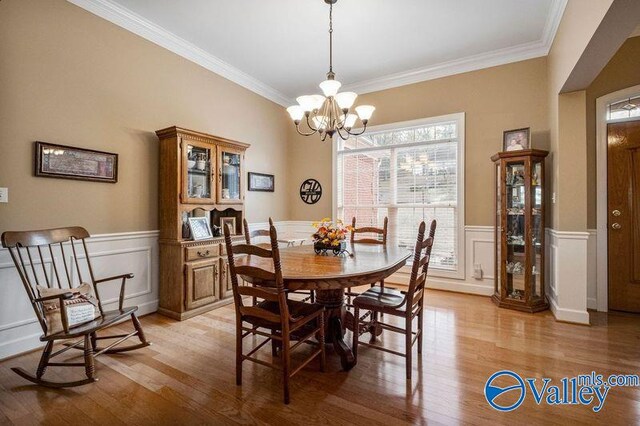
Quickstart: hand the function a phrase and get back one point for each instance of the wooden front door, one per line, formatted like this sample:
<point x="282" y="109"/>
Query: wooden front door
<point x="623" y="215"/>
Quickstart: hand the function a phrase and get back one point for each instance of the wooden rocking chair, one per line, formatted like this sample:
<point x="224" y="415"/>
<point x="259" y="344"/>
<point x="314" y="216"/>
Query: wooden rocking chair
<point x="49" y="246"/>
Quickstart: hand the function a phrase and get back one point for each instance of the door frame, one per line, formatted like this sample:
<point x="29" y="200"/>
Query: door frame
<point x="602" y="252"/>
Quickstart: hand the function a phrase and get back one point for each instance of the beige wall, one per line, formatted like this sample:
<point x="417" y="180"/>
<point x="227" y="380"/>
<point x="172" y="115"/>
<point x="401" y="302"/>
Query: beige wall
<point x="494" y="99"/>
<point x="567" y="118"/>
<point x="621" y="72"/>
<point x="69" y="77"/>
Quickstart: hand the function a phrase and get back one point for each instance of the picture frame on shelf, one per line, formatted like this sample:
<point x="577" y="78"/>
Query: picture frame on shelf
<point x="230" y="222"/>
<point x="261" y="182"/>
<point x="69" y="162"/>
<point x="200" y="229"/>
<point x="516" y="139"/>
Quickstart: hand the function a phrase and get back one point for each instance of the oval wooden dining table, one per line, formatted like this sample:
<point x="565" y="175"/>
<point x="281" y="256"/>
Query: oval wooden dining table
<point x="329" y="276"/>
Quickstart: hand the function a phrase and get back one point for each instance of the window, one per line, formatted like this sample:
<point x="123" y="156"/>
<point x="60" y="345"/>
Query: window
<point x="408" y="172"/>
<point x="627" y="108"/>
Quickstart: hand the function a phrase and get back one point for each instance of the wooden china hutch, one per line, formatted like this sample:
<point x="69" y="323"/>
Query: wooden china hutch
<point x="201" y="175"/>
<point x="519" y="230"/>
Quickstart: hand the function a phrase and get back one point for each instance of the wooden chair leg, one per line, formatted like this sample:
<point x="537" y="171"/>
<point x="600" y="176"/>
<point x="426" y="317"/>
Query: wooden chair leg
<point x="420" y="329"/>
<point x="372" y="328"/>
<point x="44" y="359"/>
<point x="323" y="354"/>
<point x="274" y="344"/>
<point x="138" y="327"/>
<point x="356" y="332"/>
<point x="238" y="352"/>
<point x="409" y="351"/>
<point x="286" y="363"/>
<point x="382" y="287"/>
<point x="89" y="366"/>
<point x="94" y="341"/>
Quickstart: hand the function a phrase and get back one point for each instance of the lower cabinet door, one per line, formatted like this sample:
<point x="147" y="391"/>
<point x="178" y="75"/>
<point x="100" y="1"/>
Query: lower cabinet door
<point x="202" y="282"/>
<point x="226" y="289"/>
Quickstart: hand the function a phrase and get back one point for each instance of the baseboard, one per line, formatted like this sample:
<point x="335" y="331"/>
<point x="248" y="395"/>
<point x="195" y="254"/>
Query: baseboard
<point x="569" y="315"/>
<point x="482" y="288"/>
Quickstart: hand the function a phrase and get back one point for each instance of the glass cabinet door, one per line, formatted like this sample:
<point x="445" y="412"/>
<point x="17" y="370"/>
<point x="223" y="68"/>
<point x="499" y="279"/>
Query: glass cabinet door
<point x="198" y="162"/>
<point x="229" y="176"/>
<point x="514" y="258"/>
<point x="536" y="233"/>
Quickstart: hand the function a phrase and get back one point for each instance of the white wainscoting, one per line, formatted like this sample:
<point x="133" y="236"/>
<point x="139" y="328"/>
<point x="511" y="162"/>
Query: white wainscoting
<point x="568" y="274"/>
<point x="570" y="267"/>
<point x="111" y="254"/>
<point x="592" y="270"/>
<point x="478" y="250"/>
<point x="571" y="276"/>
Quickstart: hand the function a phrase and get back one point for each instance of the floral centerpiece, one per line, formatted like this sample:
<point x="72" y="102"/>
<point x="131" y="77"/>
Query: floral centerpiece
<point x="330" y="236"/>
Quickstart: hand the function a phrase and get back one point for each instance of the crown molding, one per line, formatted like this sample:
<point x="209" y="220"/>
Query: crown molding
<point x="123" y="17"/>
<point x="494" y="58"/>
<point x="138" y="25"/>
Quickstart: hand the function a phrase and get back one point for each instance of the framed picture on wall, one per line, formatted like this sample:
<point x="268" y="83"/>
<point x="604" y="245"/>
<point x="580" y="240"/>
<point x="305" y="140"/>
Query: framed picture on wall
<point x="517" y="139"/>
<point x="261" y="182"/>
<point x="200" y="229"/>
<point x="68" y="162"/>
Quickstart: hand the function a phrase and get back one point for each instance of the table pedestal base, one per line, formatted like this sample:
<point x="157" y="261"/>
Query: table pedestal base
<point x="337" y="319"/>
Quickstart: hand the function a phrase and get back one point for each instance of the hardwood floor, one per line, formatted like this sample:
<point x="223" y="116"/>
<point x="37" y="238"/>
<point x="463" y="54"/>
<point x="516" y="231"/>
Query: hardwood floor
<point x="187" y="376"/>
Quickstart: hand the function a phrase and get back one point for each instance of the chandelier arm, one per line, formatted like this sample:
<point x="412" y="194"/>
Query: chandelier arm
<point x="364" y="128"/>
<point x="313" y="132"/>
<point x="339" y="131"/>
<point x="310" y="126"/>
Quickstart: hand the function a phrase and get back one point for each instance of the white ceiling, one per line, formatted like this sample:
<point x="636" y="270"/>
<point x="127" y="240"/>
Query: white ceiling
<point x="279" y="48"/>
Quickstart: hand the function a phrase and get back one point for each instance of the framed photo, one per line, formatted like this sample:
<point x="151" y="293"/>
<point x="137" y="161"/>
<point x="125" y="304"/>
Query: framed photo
<point x="516" y="140"/>
<point x="200" y="229"/>
<point x="230" y="222"/>
<point x="68" y="162"/>
<point x="261" y="182"/>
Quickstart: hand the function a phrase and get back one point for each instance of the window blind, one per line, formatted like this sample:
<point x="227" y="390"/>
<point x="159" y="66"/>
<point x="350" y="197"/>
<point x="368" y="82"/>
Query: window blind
<point x="407" y="175"/>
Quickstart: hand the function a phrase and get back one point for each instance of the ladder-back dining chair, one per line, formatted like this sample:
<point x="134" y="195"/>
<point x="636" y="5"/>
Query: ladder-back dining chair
<point x="367" y="235"/>
<point x="275" y="317"/>
<point x="407" y="305"/>
<point x="250" y="235"/>
<point x="63" y="302"/>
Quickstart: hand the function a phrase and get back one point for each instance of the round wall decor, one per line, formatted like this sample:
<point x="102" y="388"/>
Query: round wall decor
<point x="310" y="191"/>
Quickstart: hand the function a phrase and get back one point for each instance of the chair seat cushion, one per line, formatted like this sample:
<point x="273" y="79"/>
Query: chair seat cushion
<point x="296" y="310"/>
<point x="107" y="319"/>
<point x="380" y="299"/>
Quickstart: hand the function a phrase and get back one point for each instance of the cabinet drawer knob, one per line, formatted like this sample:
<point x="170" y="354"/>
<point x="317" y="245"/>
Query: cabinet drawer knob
<point x="205" y="254"/>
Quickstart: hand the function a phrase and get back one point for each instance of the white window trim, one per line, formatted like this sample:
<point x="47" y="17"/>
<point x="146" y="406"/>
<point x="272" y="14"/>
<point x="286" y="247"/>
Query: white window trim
<point x="458" y="273"/>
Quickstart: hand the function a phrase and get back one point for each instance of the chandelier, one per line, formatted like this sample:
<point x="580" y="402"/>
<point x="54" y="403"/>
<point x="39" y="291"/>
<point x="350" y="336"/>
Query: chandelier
<point x="330" y="114"/>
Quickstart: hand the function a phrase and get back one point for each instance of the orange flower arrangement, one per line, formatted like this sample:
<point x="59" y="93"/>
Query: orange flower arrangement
<point x="329" y="233"/>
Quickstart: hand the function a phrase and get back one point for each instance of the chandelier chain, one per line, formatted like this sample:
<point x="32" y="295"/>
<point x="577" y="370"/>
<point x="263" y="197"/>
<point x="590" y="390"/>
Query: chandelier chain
<point x="331" y="38"/>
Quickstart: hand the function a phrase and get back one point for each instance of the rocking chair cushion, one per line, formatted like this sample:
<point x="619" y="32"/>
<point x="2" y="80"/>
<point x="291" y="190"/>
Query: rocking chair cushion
<point x="82" y="302"/>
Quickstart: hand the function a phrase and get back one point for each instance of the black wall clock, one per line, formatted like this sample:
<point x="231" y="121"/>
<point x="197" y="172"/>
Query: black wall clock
<point x="310" y="191"/>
